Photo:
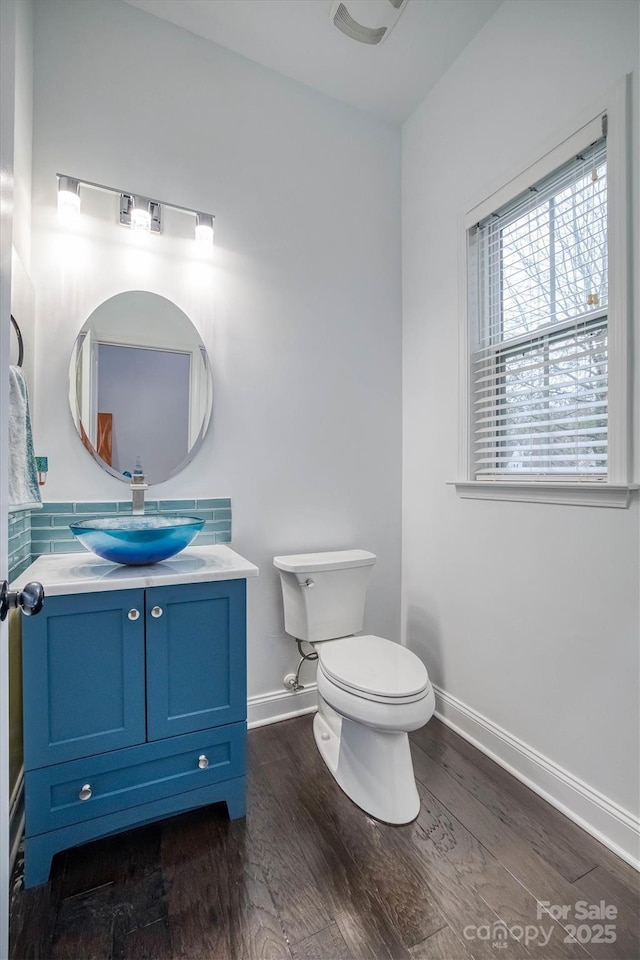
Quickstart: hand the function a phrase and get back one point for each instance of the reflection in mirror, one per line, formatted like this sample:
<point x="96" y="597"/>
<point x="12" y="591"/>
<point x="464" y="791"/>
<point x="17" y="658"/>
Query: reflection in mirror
<point x="140" y="386"/>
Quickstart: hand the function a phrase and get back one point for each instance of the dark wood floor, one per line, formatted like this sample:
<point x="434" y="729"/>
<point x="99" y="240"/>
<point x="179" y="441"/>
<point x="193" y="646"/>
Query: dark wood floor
<point x="308" y="876"/>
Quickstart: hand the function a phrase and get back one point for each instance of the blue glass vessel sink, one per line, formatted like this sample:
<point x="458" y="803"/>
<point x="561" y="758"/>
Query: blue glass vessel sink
<point x="137" y="540"/>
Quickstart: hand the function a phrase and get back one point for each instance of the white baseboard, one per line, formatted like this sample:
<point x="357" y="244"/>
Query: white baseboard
<point x="281" y="705"/>
<point x="604" y="819"/>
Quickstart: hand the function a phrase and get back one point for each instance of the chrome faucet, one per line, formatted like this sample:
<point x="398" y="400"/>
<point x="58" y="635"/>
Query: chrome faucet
<point x="138" y="487"/>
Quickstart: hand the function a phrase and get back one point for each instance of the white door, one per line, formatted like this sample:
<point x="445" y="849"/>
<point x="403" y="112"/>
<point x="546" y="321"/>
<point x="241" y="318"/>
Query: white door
<point x="7" y="106"/>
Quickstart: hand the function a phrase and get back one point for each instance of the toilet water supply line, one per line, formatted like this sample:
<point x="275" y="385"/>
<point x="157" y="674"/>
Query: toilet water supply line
<point x="292" y="680"/>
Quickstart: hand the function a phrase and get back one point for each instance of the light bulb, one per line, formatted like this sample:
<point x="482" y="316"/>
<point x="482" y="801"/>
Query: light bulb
<point x="68" y="200"/>
<point x="204" y="230"/>
<point x="140" y="214"/>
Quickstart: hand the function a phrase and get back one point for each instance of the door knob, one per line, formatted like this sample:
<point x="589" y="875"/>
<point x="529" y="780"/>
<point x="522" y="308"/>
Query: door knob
<point x="30" y="599"/>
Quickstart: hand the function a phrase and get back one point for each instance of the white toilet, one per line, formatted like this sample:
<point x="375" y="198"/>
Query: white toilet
<point x="372" y="691"/>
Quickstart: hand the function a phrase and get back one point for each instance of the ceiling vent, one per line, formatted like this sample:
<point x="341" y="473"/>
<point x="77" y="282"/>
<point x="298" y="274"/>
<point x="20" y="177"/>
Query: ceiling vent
<point x="368" y="21"/>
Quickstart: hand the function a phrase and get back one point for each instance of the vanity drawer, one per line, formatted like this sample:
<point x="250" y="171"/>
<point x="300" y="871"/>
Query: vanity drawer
<point x="126" y="778"/>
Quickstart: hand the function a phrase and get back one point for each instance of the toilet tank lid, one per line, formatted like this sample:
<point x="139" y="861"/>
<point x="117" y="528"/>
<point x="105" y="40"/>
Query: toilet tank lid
<point x="331" y="560"/>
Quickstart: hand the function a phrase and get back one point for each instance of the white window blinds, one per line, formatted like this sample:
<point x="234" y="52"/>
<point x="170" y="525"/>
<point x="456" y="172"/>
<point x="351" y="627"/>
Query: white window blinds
<point x="538" y="292"/>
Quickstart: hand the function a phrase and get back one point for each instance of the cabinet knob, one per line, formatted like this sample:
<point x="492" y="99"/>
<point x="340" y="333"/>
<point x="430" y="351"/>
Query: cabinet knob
<point x="156" y="612"/>
<point x="133" y="614"/>
<point x="85" y="792"/>
<point x="203" y="762"/>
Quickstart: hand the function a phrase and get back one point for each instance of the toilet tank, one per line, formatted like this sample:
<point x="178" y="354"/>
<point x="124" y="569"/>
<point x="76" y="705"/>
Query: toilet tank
<point x="324" y="593"/>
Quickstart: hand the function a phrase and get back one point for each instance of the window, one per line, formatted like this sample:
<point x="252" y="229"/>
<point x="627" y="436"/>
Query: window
<point x="539" y="266"/>
<point x="545" y="343"/>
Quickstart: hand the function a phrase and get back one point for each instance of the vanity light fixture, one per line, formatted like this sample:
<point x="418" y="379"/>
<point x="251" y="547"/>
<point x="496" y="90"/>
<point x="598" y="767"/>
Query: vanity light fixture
<point x="136" y="211"/>
<point x="204" y="230"/>
<point x="68" y="199"/>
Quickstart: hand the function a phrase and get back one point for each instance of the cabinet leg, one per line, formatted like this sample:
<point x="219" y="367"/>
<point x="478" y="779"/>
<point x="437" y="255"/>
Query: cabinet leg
<point x="236" y="800"/>
<point x="38" y="854"/>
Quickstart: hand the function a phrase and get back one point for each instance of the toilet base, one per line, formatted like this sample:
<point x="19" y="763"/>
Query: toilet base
<point x="373" y="767"/>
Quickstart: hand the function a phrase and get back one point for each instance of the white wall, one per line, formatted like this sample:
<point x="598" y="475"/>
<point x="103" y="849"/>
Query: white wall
<point x="528" y="613"/>
<point x="22" y="294"/>
<point x="300" y="311"/>
<point x="23" y="131"/>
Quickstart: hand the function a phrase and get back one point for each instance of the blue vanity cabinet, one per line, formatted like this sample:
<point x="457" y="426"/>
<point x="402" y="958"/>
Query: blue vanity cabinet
<point x="134" y="708"/>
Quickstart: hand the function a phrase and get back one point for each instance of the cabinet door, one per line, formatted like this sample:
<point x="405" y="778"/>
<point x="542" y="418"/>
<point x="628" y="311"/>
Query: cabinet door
<point x="83" y="676"/>
<point x="196" y="657"/>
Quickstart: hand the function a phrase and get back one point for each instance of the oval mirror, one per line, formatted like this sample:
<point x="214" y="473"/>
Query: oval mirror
<point x="140" y="385"/>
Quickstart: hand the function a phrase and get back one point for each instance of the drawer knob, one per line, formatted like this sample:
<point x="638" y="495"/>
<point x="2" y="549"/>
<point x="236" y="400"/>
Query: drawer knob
<point x="85" y="792"/>
<point x="203" y="762"/>
<point x="156" y="612"/>
<point x="133" y="614"/>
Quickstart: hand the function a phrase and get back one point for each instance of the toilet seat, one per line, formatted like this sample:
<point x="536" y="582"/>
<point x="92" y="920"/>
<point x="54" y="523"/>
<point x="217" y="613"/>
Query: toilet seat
<point x="388" y="714"/>
<point x="374" y="668"/>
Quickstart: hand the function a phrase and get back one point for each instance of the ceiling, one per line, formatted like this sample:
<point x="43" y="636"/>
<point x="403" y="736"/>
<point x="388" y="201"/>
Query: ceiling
<point x="297" y="38"/>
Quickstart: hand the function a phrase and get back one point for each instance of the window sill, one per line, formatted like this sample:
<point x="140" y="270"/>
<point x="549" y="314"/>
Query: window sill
<point x="583" y="494"/>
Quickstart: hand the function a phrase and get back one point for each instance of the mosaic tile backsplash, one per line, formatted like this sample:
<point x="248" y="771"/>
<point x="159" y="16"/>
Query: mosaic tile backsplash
<point x="19" y="542"/>
<point x="47" y="531"/>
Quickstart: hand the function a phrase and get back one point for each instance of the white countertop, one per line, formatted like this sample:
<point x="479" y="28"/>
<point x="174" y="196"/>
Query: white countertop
<point x="66" y="573"/>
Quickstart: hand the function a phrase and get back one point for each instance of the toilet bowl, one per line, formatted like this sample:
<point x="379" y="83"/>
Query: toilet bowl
<point x="363" y="735"/>
<point x="371" y="691"/>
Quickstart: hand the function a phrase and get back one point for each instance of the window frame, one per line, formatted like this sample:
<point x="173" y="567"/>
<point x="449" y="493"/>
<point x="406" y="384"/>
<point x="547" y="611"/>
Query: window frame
<point x="616" y="490"/>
